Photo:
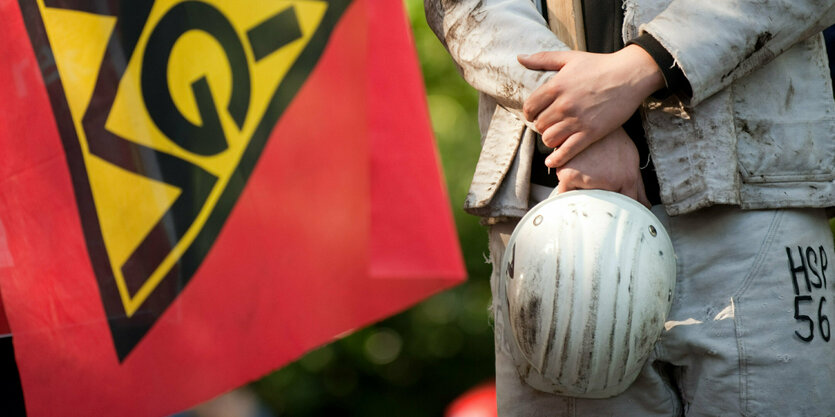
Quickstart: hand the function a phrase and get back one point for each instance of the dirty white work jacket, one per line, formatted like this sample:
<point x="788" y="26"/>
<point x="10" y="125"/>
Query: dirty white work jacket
<point x="758" y="132"/>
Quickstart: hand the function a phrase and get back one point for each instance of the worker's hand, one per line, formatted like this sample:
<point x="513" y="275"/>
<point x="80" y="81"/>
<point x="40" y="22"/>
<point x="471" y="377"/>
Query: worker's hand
<point x="609" y="164"/>
<point x="590" y="96"/>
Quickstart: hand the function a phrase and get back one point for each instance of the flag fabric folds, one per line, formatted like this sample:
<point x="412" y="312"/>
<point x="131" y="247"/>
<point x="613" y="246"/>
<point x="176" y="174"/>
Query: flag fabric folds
<point x="194" y="193"/>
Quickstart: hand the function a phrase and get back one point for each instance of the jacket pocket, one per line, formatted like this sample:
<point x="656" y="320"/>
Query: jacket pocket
<point x="770" y="151"/>
<point x="785" y="117"/>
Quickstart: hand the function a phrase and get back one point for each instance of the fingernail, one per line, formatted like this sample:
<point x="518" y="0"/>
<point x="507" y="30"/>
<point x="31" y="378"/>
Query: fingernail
<point x="551" y="161"/>
<point x="520" y="56"/>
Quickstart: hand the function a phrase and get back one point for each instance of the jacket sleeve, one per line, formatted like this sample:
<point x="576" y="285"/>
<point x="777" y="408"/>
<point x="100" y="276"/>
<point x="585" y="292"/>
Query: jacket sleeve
<point x="485" y="36"/>
<point x="717" y="42"/>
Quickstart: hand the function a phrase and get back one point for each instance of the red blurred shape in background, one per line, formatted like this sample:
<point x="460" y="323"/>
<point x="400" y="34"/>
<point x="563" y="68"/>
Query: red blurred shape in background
<point x="477" y="402"/>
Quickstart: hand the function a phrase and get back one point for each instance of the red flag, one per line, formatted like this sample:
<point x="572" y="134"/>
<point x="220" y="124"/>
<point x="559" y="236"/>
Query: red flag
<point x="194" y="193"/>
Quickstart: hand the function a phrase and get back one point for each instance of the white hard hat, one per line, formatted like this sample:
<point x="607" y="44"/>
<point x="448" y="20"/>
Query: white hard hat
<point x="588" y="278"/>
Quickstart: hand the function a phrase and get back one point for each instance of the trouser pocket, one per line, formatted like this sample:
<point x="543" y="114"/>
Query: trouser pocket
<point x="783" y="326"/>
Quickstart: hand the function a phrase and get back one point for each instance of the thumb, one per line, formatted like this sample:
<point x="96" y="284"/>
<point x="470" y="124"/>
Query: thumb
<point x="547" y="61"/>
<point x="563" y="187"/>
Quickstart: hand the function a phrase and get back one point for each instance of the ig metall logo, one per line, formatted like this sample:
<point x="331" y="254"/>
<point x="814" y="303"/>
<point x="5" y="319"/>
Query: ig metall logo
<point x="163" y="108"/>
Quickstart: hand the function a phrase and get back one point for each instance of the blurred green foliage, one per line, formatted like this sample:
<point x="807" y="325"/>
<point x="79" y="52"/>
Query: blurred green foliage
<point x="417" y="362"/>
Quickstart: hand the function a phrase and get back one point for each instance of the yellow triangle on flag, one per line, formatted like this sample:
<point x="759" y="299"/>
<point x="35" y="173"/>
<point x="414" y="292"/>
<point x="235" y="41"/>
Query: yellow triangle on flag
<point x="128" y="204"/>
<point x="78" y="43"/>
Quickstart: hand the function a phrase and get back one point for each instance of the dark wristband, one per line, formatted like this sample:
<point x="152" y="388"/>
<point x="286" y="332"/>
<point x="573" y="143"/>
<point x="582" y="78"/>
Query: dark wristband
<point x="674" y="77"/>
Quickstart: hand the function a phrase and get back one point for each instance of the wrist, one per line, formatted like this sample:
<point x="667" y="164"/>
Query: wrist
<point x="644" y="74"/>
<point x="674" y="80"/>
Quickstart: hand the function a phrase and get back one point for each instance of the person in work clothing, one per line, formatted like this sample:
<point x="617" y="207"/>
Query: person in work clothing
<point x="719" y="115"/>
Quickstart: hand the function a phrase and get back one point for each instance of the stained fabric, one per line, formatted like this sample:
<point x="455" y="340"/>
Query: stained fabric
<point x="829" y="36"/>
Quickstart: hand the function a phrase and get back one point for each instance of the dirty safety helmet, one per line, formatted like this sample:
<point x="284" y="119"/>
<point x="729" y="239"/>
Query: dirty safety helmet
<point x="587" y="282"/>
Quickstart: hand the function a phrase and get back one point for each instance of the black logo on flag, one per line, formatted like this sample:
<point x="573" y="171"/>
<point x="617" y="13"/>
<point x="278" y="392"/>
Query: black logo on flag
<point x="164" y="107"/>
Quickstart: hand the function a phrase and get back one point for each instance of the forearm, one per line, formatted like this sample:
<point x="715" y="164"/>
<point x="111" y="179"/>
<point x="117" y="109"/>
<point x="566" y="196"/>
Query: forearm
<point x="484" y="38"/>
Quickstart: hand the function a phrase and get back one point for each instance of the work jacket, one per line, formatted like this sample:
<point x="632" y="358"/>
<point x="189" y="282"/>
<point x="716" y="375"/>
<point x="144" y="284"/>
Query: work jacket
<point x="757" y="132"/>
